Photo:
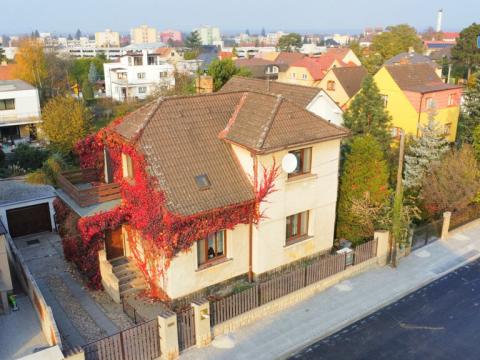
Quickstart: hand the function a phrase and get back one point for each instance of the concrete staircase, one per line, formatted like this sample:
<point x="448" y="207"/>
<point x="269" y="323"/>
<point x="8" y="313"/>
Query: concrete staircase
<point x="130" y="279"/>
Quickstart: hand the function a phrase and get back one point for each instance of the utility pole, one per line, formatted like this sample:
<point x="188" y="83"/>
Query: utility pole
<point x="398" y="193"/>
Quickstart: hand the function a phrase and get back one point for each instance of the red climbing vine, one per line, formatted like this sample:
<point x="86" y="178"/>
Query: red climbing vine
<point x="159" y="233"/>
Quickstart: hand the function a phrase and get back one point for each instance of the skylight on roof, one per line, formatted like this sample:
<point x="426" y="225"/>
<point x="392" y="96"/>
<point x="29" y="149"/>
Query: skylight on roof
<point x="203" y="182"/>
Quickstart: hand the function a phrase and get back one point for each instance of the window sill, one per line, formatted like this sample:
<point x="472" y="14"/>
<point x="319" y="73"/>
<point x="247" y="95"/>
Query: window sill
<point x="212" y="263"/>
<point x="301" y="239"/>
<point x="302" y="177"/>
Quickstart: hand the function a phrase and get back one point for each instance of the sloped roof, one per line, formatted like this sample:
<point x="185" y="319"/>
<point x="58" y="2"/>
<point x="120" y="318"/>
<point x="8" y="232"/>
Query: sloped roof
<point x="410" y="58"/>
<point x="298" y="94"/>
<point x="266" y="123"/>
<point x="417" y="78"/>
<point x="289" y="57"/>
<point x="184" y="137"/>
<point x="350" y="78"/>
<point x="315" y="68"/>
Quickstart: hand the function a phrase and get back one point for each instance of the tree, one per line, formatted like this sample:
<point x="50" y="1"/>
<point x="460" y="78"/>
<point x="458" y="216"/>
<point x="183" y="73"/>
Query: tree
<point x="49" y="171"/>
<point x="31" y="66"/>
<point x="29" y="157"/>
<point x="193" y="40"/>
<point x="452" y="183"/>
<point x="92" y="74"/>
<point x="170" y="42"/>
<point x="87" y="90"/>
<point x="423" y="152"/>
<point x="470" y="116"/>
<point x="3" y="57"/>
<point x="476" y="142"/>
<point x="81" y="68"/>
<point x="364" y="178"/>
<point x="367" y="114"/>
<point x="465" y="50"/>
<point x="290" y="42"/>
<point x="395" y="40"/>
<point x="247" y="32"/>
<point x="57" y="81"/>
<point x="78" y="34"/>
<point x="264" y="33"/>
<point x="65" y="122"/>
<point x="223" y="70"/>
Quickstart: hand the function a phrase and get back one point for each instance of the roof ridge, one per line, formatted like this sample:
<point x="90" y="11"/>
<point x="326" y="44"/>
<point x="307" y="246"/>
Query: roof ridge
<point x="274" y="82"/>
<point x="149" y="117"/>
<point x="234" y="116"/>
<point x="268" y="125"/>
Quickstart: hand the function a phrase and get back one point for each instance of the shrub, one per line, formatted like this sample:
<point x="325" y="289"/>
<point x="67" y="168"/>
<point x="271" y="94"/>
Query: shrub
<point x="28" y="157"/>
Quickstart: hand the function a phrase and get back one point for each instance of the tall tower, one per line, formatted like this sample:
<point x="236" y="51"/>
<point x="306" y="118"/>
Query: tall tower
<point x="439" y="20"/>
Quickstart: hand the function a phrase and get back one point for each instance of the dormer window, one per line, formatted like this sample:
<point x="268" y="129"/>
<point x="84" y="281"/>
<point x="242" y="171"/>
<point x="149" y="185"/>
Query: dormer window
<point x="304" y="161"/>
<point x="203" y="182"/>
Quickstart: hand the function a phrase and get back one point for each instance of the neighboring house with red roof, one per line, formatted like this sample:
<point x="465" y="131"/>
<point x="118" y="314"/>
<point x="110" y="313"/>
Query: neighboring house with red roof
<point x="309" y="71"/>
<point x="344" y="55"/>
<point x="7" y="71"/>
<point x="204" y="151"/>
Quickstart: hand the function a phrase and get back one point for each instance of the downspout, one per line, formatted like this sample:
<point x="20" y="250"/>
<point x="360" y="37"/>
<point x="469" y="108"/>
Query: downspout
<point x="250" y="225"/>
<point x="419" y="114"/>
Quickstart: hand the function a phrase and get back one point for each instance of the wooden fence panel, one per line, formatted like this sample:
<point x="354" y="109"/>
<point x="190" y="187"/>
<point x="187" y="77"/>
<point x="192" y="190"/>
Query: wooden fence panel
<point x="325" y="267"/>
<point x="464" y="216"/>
<point x="365" y="251"/>
<point x="141" y="342"/>
<point x="282" y="285"/>
<point x="233" y="305"/>
<point x="186" y="329"/>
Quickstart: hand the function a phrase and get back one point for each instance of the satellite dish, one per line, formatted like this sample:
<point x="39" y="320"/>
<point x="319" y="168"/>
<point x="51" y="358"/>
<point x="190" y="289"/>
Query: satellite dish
<point x="289" y="163"/>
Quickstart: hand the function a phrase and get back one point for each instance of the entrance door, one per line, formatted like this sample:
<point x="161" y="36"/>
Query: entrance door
<point x="29" y="220"/>
<point x="114" y="244"/>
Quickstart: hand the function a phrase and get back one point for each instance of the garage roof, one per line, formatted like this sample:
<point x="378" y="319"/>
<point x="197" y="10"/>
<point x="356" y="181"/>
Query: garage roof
<point x="18" y="191"/>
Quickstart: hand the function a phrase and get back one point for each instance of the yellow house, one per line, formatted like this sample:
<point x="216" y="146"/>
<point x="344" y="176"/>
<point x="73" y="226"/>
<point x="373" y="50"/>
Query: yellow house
<point x="308" y="71"/>
<point x="342" y="83"/>
<point x="412" y="91"/>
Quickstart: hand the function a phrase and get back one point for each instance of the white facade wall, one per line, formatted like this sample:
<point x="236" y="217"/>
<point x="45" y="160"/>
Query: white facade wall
<point x="324" y="106"/>
<point x="133" y="86"/>
<point x="107" y="38"/>
<point x="316" y="192"/>
<point x="27" y="106"/>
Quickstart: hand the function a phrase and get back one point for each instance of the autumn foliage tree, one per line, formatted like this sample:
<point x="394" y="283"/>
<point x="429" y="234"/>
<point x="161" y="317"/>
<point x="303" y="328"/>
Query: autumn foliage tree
<point x="452" y="183"/>
<point x="31" y="65"/>
<point x="364" y="179"/>
<point x="65" y="122"/>
<point x="223" y="70"/>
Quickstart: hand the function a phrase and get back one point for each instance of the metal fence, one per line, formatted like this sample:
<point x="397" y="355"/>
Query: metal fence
<point x="261" y="293"/>
<point x="464" y="216"/>
<point x="141" y="342"/>
<point x="426" y="233"/>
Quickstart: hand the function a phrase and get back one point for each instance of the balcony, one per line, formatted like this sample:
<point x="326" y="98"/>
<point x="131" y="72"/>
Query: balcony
<point x="86" y="189"/>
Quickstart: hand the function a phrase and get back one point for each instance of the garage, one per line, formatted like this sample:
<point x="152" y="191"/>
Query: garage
<point x="26" y="208"/>
<point x="29" y="220"/>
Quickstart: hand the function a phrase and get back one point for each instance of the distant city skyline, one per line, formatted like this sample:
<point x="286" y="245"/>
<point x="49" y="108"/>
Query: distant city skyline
<point x="59" y="16"/>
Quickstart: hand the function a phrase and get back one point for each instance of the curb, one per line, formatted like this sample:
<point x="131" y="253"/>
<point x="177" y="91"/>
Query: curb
<point x="377" y="307"/>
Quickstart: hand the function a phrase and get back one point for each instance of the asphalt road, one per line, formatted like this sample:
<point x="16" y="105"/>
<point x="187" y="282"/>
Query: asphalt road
<point x="438" y="321"/>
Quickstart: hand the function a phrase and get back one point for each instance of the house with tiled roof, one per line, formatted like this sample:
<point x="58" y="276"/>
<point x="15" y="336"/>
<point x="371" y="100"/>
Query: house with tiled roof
<point x="7" y="71"/>
<point x="343" y="83"/>
<point x="262" y="68"/>
<point x="311" y="98"/>
<point x="207" y="153"/>
<point x="345" y="55"/>
<point x="412" y="91"/>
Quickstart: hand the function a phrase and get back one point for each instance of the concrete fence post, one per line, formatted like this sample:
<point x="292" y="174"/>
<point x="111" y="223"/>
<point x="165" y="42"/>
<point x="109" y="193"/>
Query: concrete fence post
<point x="167" y="326"/>
<point x="201" y="309"/>
<point x="446" y="225"/>
<point x="383" y="245"/>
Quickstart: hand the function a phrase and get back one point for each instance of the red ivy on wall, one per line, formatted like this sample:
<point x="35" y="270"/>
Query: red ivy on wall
<point x="161" y="233"/>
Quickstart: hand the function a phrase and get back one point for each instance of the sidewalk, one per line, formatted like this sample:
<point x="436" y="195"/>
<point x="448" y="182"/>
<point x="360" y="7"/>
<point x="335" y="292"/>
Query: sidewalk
<point x="279" y="335"/>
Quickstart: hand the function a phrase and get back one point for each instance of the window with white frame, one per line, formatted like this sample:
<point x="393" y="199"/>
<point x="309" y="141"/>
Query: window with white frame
<point x="451" y="100"/>
<point x="429" y="103"/>
<point x="385" y="100"/>
<point x="163" y="74"/>
<point x="142" y="90"/>
<point x="7" y="104"/>
<point x="127" y="166"/>
<point x="141" y="75"/>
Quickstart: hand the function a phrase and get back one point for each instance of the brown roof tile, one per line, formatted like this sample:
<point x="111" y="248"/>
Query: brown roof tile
<point x="298" y="94"/>
<point x="350" y="78"/>
<point x="184" y="137"/>
<point x="417" y="78"/>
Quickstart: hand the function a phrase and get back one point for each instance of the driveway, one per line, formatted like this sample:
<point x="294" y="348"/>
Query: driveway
<point x="82" y="316"/>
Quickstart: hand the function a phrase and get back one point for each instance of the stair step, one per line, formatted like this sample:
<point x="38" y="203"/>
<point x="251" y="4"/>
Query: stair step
<point x="135" y="284"/>
<point x="128" y="277"/>
<point x="130" y="290"/>
<point x="119" y="261"/>
<point x="125" y="269"/>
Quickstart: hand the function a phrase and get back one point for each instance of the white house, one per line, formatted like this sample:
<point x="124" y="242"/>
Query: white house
<point x="138" y="75"/>
<point x="311" y="98"/>
<point x="19" y="110"/>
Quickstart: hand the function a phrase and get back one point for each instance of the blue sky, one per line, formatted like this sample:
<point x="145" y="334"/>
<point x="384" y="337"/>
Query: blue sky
<point x="65" y="16"/>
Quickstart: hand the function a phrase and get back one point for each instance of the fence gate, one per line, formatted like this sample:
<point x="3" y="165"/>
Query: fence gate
<point x="186" y="329"/>
<point x="141" y="342"/>
<point x="426" y="234"/>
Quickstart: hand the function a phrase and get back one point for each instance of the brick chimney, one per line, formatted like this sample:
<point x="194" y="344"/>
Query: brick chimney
<point x="204" y="84"/>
